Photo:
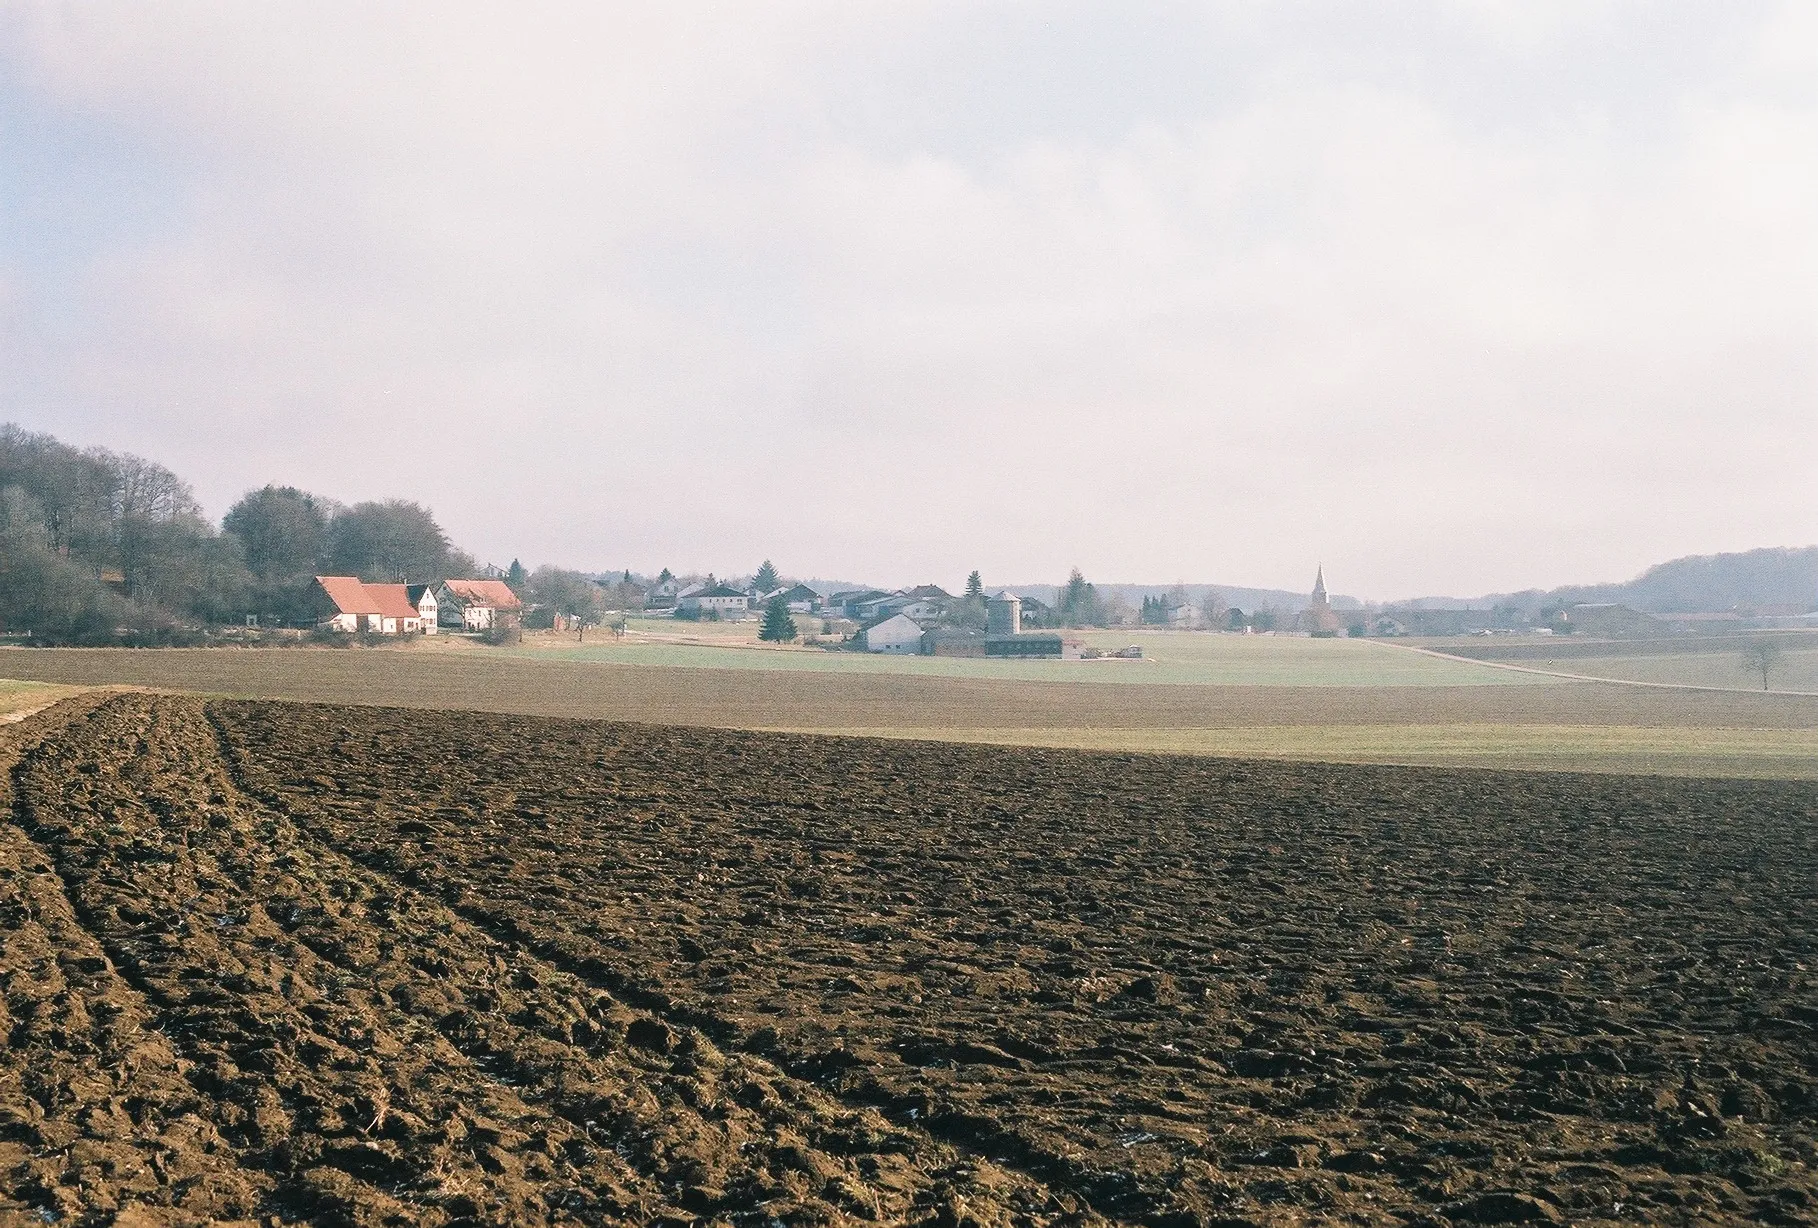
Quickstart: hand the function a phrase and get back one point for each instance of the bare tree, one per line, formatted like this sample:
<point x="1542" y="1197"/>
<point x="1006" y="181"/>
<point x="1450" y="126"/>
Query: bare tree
<point x="1212" y="609"/>
<point x="1761" y="656"/>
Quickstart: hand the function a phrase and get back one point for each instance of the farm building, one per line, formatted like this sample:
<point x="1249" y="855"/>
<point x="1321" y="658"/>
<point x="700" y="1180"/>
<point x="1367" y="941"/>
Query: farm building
<point x="1004" y="615"/>
<point x="722" y="600"/>
<point x="397" y="614"/>
<point x="1608" y="620"/>
<point x="341" y="603"/>
<point x="851" y="601"/>
<point x="953" y="642"/>
<point x="1047" y="644"/>
<point x="344" y="603"/>
<point x="898" y="634"/>
<point x="476" y="605"/>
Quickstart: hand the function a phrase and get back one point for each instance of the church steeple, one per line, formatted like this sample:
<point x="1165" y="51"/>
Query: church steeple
<point x="1319" y="586"/>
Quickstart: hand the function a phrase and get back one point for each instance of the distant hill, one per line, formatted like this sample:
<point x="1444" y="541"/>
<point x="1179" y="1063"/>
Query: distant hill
<point x="1781" y="579"/>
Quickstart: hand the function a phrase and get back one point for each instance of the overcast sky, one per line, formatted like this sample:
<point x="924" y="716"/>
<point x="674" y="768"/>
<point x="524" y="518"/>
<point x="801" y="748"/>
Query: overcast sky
<point x="1449" y="297"/>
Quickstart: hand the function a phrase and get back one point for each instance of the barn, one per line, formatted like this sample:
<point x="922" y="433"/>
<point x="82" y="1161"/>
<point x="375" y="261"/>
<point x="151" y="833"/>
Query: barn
<point x="898" y="634"/>
<point x="341" y="603"/>
<point x="397" y="614"/>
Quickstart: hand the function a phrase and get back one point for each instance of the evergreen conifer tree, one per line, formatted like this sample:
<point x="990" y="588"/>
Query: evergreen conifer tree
<point x="778" y="627"/>
<point x="766" y="580"/>
<point x="975" y="587"/>
<point x="515" y="576"/>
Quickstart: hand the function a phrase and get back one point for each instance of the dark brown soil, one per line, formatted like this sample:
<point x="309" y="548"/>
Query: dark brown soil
<point x="366" y="966"/>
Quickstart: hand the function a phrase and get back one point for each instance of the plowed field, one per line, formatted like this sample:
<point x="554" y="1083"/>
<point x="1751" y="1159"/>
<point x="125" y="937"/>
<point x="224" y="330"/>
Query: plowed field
<point x="364" y="966"/>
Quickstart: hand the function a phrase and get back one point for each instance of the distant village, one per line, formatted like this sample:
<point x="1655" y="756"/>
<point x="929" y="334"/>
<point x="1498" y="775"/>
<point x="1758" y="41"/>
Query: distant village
<point x="99" y="547"/>
<point x="925" y="620"/>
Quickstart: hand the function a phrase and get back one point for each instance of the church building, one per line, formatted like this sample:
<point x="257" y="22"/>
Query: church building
<point x="1320" y="618"/>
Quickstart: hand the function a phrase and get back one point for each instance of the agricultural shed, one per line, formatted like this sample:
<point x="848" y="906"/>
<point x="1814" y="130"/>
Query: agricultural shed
<point x="953" y="642"/>
<point x="898" y="634"/>
<point x="1029" y="644"/>
<point x="476" y="605"/>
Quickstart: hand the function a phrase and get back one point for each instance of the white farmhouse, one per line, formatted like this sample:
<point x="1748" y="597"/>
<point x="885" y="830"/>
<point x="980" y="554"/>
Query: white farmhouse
<point x="721" y="600"/>
<point x="899" y="634"/>
<point x="422" y="598"/>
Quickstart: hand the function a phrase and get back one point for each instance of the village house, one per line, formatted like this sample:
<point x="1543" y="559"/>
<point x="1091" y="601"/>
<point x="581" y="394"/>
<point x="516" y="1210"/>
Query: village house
<point x="422" y="598"/>
<point x="720" y="601"/>
<point x="476" y="605"/>
<point x="851" y="601"/>
<point x="922" y="609"/>
<point x="799" y="598"/>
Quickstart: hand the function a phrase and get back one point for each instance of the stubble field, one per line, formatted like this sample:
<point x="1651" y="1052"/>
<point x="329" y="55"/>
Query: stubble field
<point x="364" y="966"/>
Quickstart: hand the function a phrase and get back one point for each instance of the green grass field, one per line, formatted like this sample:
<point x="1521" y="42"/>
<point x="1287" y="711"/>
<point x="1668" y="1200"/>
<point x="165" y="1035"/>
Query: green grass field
<point x="1169" y="658"/>
<point x="1700" y="661"/>
<point x="1796" y="671"/>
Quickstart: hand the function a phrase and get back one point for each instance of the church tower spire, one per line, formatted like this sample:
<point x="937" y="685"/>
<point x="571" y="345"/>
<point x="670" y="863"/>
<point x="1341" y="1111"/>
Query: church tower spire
<point x="1319" y="586"/>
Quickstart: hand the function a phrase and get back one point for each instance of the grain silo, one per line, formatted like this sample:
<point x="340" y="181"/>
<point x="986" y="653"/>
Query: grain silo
<point x="1003" y="616"/>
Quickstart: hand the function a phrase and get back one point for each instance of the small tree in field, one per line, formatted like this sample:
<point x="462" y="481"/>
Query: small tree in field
<point x="779" y="627"/>
<point x="1761" y="657"/>
<point x="766" y="580"/>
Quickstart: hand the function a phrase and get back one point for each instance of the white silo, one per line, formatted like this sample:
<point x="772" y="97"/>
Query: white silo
<point x="1004" y="615"/>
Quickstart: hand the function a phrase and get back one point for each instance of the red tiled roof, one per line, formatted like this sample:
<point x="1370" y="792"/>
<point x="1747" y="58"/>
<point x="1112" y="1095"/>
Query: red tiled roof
<point x="494" y="593"/>
<point x="393" y="600"/>
<point x="349" y="595"/>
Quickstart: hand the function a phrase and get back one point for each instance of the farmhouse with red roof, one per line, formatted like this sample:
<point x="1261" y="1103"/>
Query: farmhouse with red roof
<point x="346" y="603"/>
<point x="477" y="605"/>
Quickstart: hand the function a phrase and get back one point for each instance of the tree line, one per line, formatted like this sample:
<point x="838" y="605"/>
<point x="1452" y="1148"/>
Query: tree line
<point x="99" y="546"/>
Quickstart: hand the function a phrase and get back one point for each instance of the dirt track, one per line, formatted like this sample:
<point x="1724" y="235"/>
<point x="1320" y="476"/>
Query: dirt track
<point x="369" y="966"/>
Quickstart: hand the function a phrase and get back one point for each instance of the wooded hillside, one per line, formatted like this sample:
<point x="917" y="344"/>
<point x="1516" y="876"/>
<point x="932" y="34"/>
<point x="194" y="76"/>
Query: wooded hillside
<point x="99" y="546"/>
